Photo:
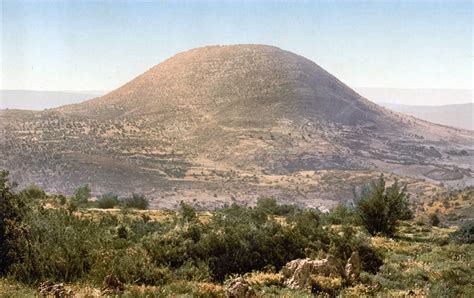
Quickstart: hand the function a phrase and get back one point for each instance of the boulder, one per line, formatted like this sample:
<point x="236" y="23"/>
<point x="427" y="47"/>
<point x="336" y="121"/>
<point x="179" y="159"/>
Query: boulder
<point x="297" y="273"/>
<point x="240" y="288"/>
<point x="353" y="267"/>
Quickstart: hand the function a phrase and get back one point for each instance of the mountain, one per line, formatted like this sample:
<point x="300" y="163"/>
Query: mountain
<point x="458" y="115"/>
<point x="39" y="100"/>
<point x="226" y="123"/>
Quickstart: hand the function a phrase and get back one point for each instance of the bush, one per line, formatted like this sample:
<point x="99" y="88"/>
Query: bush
<point x="34" y="192"/>
<point x="82" y="194"/>
<point x="341" y="214"/>
<point x="136" y="201"/>
<point x="465" y="233"/>
<point x="434" y="219"/>
<point x="13" y="209"/>
<point x="107" y="201"/>
<point x="270" y="206"/>
<point x="187" y="212"/>
<point x="380" y="208"/>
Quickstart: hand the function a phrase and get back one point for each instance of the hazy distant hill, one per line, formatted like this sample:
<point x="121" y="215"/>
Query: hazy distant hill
<point x="421" y="97"/>
<point x="224" y="123"/>
<point x="39" y="100"/>
<point x="459" y="115"/>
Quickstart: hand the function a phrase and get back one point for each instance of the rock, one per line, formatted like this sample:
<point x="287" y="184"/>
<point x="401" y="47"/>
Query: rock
<point x="240" y="288"/>
<point x="55" y="290"/>
<point x="297" y="273"/>
<point x="353" y="267"/>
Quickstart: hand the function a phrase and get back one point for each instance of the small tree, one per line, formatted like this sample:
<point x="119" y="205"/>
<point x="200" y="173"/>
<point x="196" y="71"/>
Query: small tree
<point x="107" y="201"/>
<point x="136" y="201"/>
<point x="187" y="212"/>
<point x="434" y="219"/>
<point x="34" y="192"/>
<point x="13" y="210"/>
<point x="380" y="208"/>
<point x="82" y="194"/>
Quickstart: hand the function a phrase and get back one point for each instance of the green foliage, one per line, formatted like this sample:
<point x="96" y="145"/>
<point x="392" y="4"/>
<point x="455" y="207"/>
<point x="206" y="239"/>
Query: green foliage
<point x="57" y="244"/>
<point x="107" y="201"/>
<point x="71" y="207"/>
<point x="136" y="201"/>
<point x="82" y="194"/>
<point x="371" y="259"/>
<point x="434" y="219"/>
<point x="13" y="209"/>
<point x="270" y="206"/>
<point x="341" y="214"/>
<point x="187" y="212"/>
<point x="465" y="233"/>
<point x="34" y="192"/>
<point x="380" y="208"/>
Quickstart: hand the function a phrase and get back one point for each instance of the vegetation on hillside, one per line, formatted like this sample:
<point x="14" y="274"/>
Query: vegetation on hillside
<point x="189" y="251"/>
<point x="380" y="208"/>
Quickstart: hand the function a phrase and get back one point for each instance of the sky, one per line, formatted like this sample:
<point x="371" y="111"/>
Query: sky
<point x="100" y="45"/>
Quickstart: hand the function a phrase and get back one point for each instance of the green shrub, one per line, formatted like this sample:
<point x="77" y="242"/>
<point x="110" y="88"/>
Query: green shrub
<point x="341" y="214"/>
<point x="82" y="194"/>
<point x="371" y="259"/>
<point x="13" y="210"/>
<point x="270" y="206"/>
<point x="434" y="219"/>
<point x="380" y="208"/>
<point x="34" y="192"/>
<point x="107" y="201"/>
<point x="465" y="233"/>
<point x="136" y="201"/>
<point x="187" y="212"/>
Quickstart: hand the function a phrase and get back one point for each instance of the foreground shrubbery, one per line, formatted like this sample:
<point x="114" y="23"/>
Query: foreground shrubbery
<point x="184" y="253"/>
<point x="59" y="245"/>
<point x="380" y="208"/>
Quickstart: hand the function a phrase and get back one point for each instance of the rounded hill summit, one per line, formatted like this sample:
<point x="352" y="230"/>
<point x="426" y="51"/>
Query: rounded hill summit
<point x="239" y="82"/>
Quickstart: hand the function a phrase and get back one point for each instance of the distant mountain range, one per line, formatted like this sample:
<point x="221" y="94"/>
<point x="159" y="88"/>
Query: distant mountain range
<point x="39" y="100"/>
<point x="452" y="107"/>
<point x="419" y="97"/>
<point x="457" y="115"/>
<point x="225" y="123"/>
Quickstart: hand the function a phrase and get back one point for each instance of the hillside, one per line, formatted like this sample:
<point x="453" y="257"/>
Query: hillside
<point x="226" y="123"/>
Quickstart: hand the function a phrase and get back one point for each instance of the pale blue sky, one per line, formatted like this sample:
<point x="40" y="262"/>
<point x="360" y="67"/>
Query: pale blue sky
<point x="92" y="45"/>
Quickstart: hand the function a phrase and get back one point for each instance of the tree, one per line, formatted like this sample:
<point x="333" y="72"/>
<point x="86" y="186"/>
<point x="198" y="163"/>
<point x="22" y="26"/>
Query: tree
<point x="82" y="194"/>
<point x="434" y="219"/>
<point x="187" y="212"/>
<point x="380" y="208"/>
<point x="136" y="201"/>
<point x="13" y="209"/>
<point x="107" y="201"/>
<point x="34" y="192"/>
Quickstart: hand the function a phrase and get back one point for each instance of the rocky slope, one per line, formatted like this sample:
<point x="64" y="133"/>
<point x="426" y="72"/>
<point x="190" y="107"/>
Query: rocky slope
<point x="224" y="123"/>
